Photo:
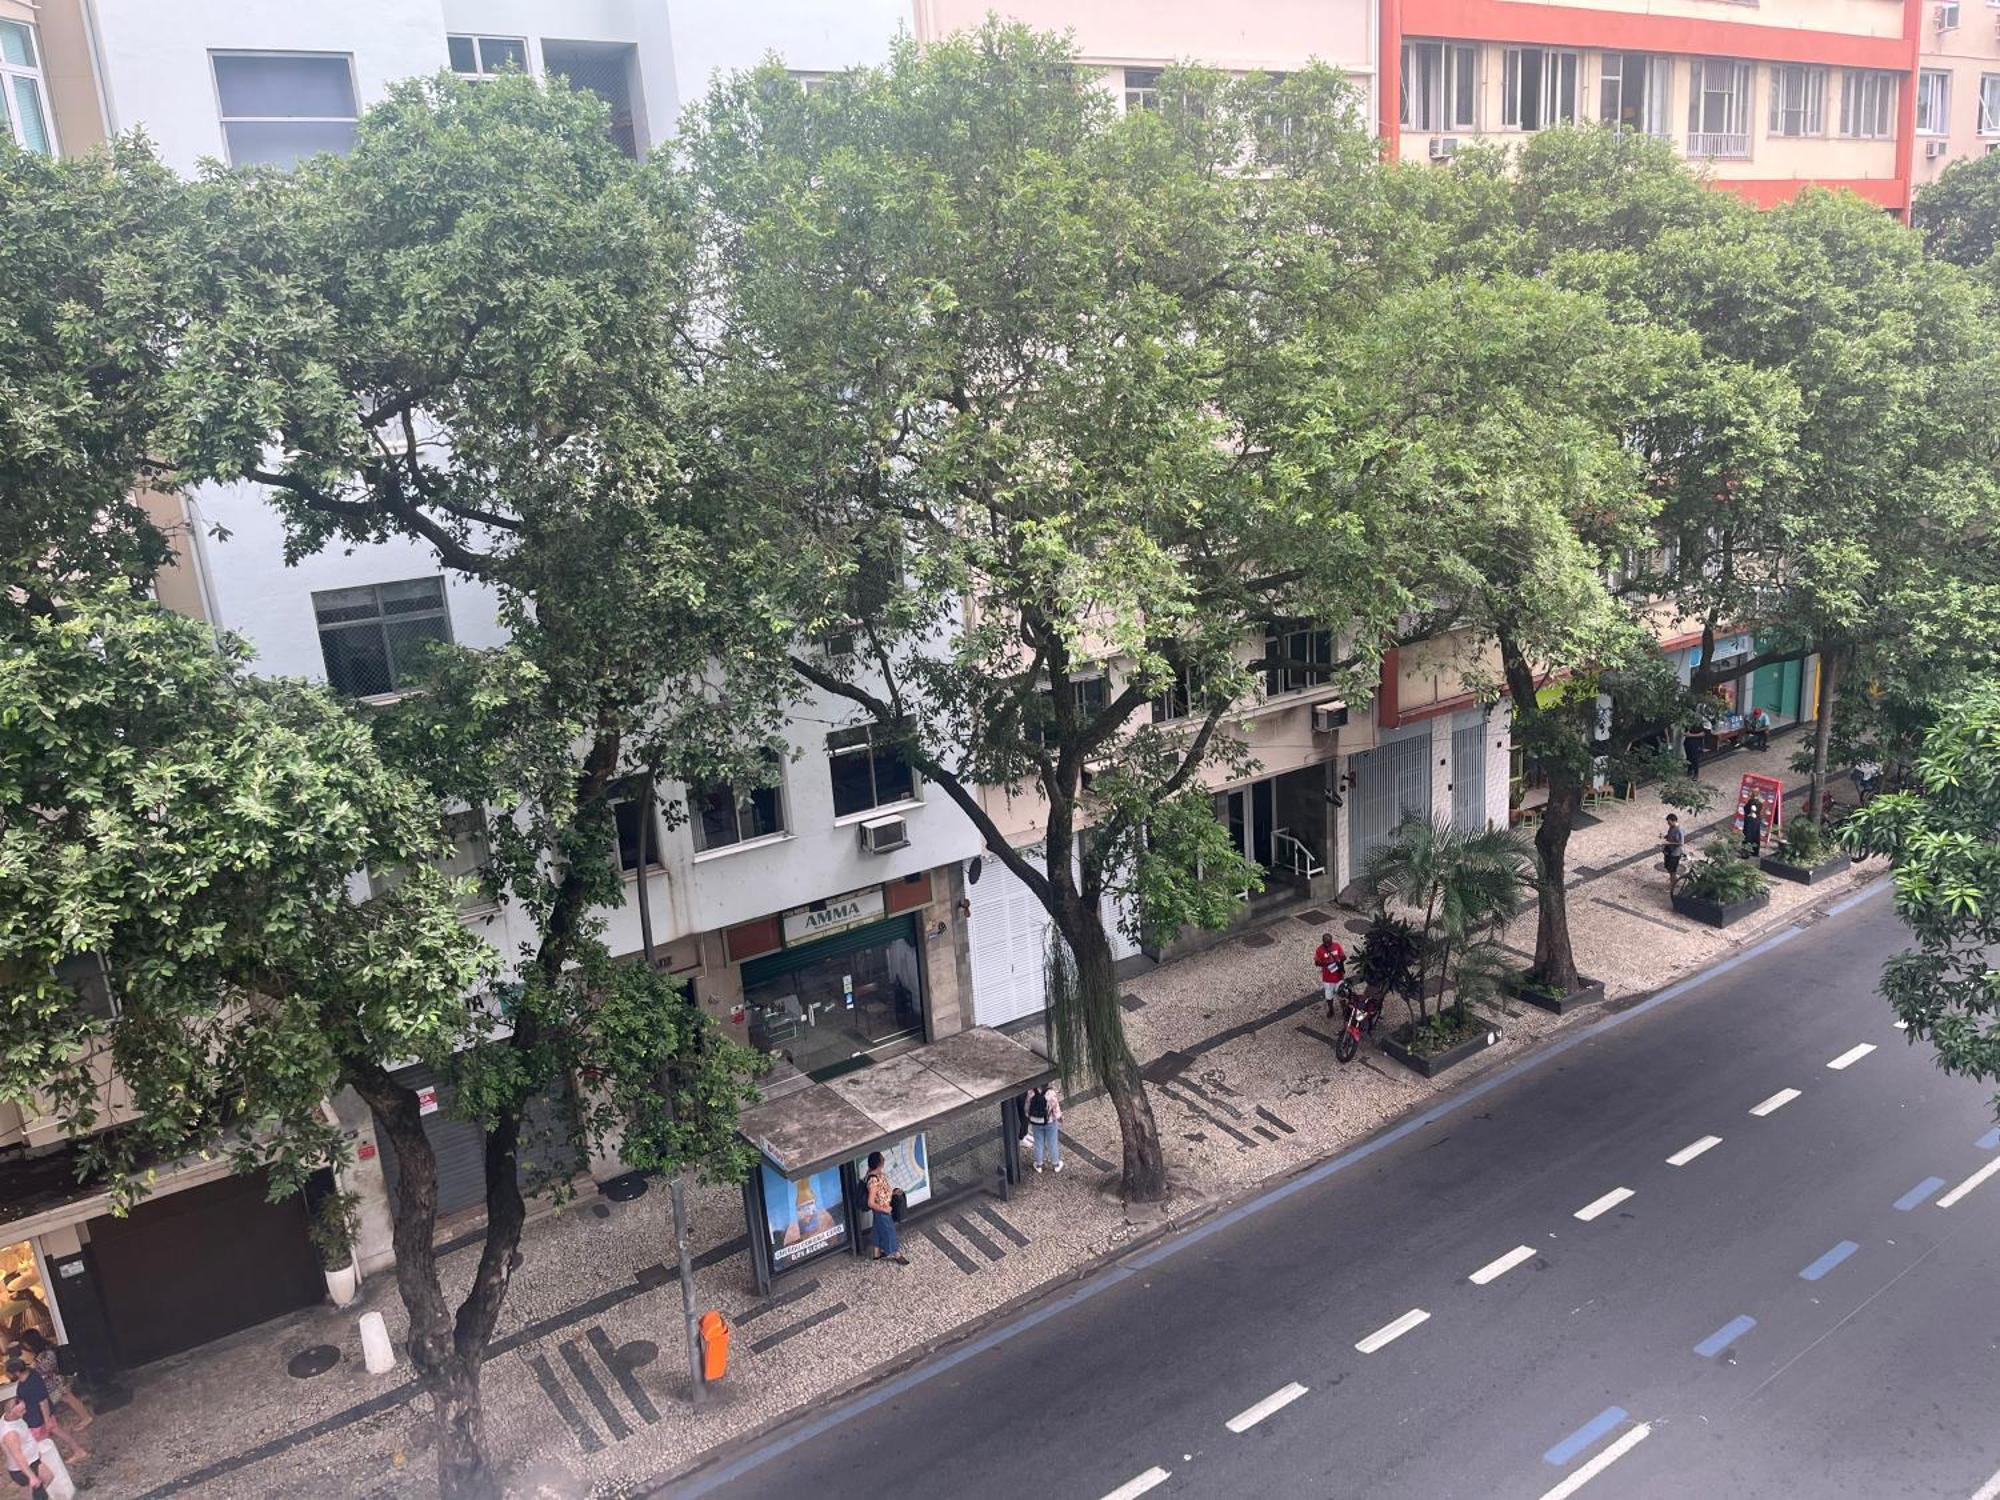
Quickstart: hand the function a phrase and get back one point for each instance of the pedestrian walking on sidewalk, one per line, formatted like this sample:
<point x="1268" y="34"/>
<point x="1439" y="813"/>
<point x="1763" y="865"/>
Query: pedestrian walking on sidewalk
<point x="21" y="1450"/>
<point x="40" y="1353"/>
<point x="1674" y="843"/>
<point x="882" y="1211"/>
<point x="1045" y="1124"/>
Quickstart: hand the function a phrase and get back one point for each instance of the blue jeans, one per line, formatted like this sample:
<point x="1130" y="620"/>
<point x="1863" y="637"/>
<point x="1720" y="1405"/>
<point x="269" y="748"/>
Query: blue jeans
<point x="885" y="1233"/>
<point x="1048" y="1142"/>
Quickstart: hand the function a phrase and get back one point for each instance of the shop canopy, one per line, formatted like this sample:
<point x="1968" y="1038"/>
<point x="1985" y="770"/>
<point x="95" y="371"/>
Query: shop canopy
<point x="804" y="1127"/>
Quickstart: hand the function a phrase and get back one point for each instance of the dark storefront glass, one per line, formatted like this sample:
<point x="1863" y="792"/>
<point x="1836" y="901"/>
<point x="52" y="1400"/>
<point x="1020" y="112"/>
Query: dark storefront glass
<point x="819" y="1006"/>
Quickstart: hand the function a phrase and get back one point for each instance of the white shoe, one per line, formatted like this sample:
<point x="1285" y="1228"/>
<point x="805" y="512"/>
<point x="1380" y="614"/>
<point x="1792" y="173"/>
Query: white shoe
<point x="1058" y="1166"/>
<point x="1038" y="1166"/>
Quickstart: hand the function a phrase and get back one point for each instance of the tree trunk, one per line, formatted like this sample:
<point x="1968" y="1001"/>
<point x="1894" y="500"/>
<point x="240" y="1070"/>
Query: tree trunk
<point x="460" y="1415"/>
<point x="1555" y="962"/>
<point x="1144" y="1175"/>
<point x="1829" y="676"/>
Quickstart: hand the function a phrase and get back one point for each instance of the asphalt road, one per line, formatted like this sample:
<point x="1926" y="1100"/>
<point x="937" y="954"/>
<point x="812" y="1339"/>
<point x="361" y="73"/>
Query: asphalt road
<point x="1792" y="1311"/>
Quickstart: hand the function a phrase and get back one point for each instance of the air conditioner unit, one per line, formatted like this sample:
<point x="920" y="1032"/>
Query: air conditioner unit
<point x="1444" y="147"/>
<point x="1328" y="717"/>
<point x="880" y="835"/>
<point x="1934" y="149"/>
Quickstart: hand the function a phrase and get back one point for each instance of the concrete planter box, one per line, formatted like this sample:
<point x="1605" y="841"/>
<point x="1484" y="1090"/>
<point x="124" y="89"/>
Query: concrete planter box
<point x="1434" y="1063"/>
<point x="1587" y="992"/>
<point x="1716" y="913"/>
<point x="1826" y="869"/>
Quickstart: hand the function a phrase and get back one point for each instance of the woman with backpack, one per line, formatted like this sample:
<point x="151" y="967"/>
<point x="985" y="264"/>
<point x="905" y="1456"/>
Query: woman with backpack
<point x="1045" y="1125"/>
<point x="882" y="1211"/>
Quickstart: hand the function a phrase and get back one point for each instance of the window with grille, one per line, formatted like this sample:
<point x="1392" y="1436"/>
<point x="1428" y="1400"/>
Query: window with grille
<point x="1719" y="108"/>
<point x="280" y="107"/>
<point x="728" y="814"/>
<point x="23" y="113"/>
<point x="1440" y="85"/>
<point x="1798" y="100"/>
<point x="1296" y="659"/>
<point x="484" y="56"/>
<point x="867" y="769"/>
<point x="1868" y="105"/>
<point x="1933" y="102"/>
<point x="1538" y="88"/>
<point x="605" y="70"/>
<point x="374" y="638"/>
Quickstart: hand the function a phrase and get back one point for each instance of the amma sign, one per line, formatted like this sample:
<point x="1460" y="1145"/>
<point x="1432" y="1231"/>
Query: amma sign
<point x="835" y="914"/>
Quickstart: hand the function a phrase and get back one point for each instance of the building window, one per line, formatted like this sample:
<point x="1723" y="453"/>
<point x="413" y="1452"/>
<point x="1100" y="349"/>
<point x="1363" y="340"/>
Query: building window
<point x="22" y="113"/>
<point x="1947" y="15"/>
<point x="1087" y="694"/>
<point x="629" y="812"/>
<point x="725" y="815"/>
<point x="1868" y="105"/>
<point x="1142" y="89"/>
<point x="1632" y="92"/>
<point x="485" y="56"/>
<point x="374" y="637"/>
<point x="605" y="70"/>
<point x="88" y="977"/>
<point x="1933" y="102"/>
<point x="1538" y="88"/>
<point x="1440" y="85"/>
<point x="280" y="107"/>
<point x="1296" y="659"/>
<point x="1719" y="108"/>
<point x="1798" y="100"/>
<point x="1989" y="104"/>
<point x="1180" y="699"/>
<point x="469" y="856"/>
<point x="868" y="770"/>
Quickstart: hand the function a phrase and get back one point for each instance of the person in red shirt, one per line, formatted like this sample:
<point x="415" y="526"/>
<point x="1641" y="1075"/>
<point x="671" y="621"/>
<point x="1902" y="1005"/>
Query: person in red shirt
<point x="1332" y="961"/>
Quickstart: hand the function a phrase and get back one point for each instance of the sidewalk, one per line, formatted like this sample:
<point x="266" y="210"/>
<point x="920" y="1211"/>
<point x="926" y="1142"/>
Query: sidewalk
<point x="585" y="1389"/>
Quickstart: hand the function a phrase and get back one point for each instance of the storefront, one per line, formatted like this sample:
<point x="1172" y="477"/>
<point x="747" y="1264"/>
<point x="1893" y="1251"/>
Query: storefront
<point x="846" y="984"/>
<point x="547" y="1150"/>
<point x="25" y="1300"/>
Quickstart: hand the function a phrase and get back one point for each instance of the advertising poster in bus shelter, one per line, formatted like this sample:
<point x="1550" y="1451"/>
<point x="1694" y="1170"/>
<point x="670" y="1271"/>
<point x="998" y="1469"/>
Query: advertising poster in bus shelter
<point x="909" y="1167"/>
<point x="806" y="1218"/>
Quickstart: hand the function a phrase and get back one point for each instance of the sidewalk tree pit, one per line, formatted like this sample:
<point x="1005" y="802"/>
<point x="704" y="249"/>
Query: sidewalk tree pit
<point x="1722" y="887"/>
<point x="1804" y="853"/>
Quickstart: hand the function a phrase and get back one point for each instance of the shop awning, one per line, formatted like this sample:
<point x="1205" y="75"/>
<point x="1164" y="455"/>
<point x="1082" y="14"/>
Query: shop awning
<point x="810" y="1128"/>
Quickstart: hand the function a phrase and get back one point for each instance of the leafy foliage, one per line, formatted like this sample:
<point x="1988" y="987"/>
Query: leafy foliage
<point x="1959" y="214"/>
<point x="1723" y="875"/>
<point x="1944" y="836"/>
<point x="1802" y="842"/>
<point x="1465" y="886"/>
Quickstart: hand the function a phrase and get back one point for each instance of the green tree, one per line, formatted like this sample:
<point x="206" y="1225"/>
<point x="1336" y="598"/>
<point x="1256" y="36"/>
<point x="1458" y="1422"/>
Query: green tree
<point x="95" y="256"/>
<point x="474" y="331"/>
<point x="1959" y="214"/>
<point x="1023" y="382"/>
<point x="197" y="829"/>
<point x="1466" y="886"/>
<point x="1944" y="836"/>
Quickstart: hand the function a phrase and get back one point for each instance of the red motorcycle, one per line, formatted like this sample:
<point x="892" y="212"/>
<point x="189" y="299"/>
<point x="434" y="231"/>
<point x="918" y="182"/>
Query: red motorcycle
<point x="1359" y="1011"/>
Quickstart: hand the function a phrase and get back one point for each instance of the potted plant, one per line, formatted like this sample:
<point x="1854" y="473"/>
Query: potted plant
<point x="1804" y="853"/>
<point x="1525" y="984"/>
<point x="1463" y="888"/>
<point x="1722" y="886"/>
<point x="335" y="1226"/>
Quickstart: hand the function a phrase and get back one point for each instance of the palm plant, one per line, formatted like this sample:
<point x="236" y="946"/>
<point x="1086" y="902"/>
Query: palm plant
<point x="1466" y="886"/>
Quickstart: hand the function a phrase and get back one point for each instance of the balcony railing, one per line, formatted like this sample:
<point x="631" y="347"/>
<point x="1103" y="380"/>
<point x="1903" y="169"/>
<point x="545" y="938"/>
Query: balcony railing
<point x="1714" y="143"/>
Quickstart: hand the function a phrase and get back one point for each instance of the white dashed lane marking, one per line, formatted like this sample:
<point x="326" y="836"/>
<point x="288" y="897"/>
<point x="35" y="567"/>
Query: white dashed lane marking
<point x="1493" y="1270"/>
<point x="1969" y="1184"/>
<point x="1131" y="1489"/>
<point x="1603" y="1205"/>
<point x="1776" y="1102"/>
<point x="1689" y="1152"/>
<point x="1851" y="1056"/>
<point x="1627" y="1441"/>
<point x="1244" y="1420"/>
<point x="1388" y="1333"/>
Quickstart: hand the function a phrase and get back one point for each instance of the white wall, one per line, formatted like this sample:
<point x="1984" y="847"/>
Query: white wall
<point x="820" y="36"/>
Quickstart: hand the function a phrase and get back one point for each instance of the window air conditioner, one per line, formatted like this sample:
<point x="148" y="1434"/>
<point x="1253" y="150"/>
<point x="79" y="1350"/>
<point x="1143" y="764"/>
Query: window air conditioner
<point x="1328" y="717"/>
<point x="1934" y="149"/>
<point x="880" y="835"/>
<point x="1444" y="147"/>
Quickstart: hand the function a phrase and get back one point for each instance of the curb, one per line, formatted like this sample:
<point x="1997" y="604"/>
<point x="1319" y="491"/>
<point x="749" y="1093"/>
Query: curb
<point x="738" y="1455"/>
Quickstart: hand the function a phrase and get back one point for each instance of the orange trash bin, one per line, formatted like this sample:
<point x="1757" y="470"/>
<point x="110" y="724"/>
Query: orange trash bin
<point x="714" y="1345"/>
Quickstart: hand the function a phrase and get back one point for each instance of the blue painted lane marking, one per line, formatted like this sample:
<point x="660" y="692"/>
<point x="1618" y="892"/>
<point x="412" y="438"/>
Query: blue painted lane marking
<point x="1828" y="1261"/>
<point x="1724" y="1336"/>
<point x="1921" y="1193"/>
<point x="1989" y="1140"/>
<point x="1585" y="1435"/>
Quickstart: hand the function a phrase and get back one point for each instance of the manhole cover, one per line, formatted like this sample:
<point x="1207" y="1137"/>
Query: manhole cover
<point x="1358" y="926"/>
<point x="1131" y="1002"/>
<point x="625" y="1189"/>
<point x="314" y="1361"/>
<point x="598" y="1210"/>
<point x="637" y="1354"/>
<point x="1258" y="940"/>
